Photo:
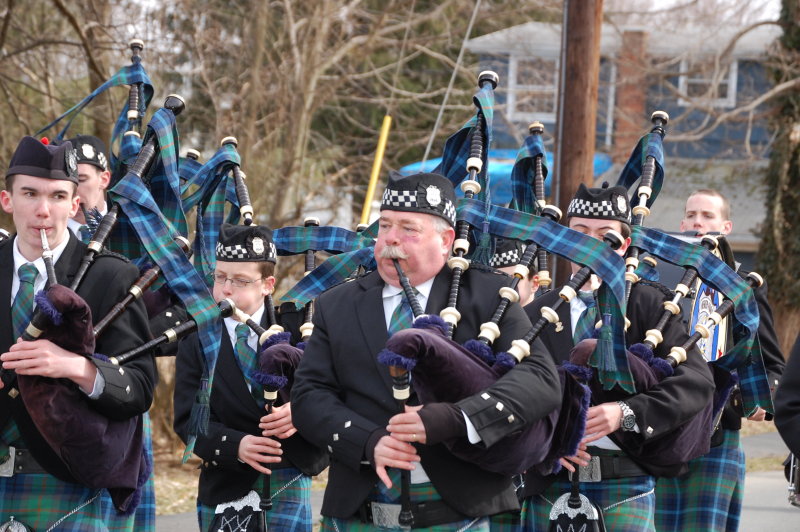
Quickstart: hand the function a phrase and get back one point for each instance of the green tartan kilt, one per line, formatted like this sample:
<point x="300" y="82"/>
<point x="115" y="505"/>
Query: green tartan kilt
<point x="145" y="515"/>
<point x="40" y="500"/>
<point x="637" y="514"/>
<point x="709" y="497"/>
<point x="505" y="522"/>
<point x="422" y="492"/>
<point x="291" y="508"/>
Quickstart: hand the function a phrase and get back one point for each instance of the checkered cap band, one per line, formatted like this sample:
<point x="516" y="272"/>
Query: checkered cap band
<point x="407" y="200"/>
<point x="238" y="253"/>
<point x="506" y="258"/>
<point x="592" y="209"/>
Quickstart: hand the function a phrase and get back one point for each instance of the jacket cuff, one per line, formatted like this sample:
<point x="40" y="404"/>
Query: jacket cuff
<point x="220" y="449"/>
<point x="490" y="417"/>
<point x="442" y="421"/>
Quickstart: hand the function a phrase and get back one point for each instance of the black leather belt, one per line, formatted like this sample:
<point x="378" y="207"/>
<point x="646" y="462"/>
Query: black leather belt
<point x="20" y="462"/>
<point x="604" y="466"/>
<point x="426" y="514"/>
<point x="619" y="467"/>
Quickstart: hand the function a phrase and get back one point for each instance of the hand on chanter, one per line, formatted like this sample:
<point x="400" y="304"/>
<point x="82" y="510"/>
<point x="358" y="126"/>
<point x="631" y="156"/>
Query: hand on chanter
<point x="408" y="426"/>
<point x="391" y="452"/>
<point x="581" y="458"/>
<point x="278" y="423"/>
<point x="257" y="450"/>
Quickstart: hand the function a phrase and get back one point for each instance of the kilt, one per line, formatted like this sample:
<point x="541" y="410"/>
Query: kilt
<point x="632" y="516"/>
<point x="422" y="492"/>
<point x="40" y="500"/>
<point x="709" y="497"/>
<point x="291" y="502"/>
<point x="505" y="522"/>
<point x="145" y="515"/>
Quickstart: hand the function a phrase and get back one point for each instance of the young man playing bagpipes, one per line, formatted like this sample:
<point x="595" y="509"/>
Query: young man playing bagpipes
<point x="617" y="432"/>
<point x="709" y="496"/>
<point x="245" y="449"/>
<point x="70" y="420"/>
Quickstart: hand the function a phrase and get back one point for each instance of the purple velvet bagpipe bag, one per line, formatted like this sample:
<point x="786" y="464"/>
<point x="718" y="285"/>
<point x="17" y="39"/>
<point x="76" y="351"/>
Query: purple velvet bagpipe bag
<point x="445" y="371"/>
<point x="278" y="360"/>
<point x="690" y="440"/>
<point x="99" y="452"/>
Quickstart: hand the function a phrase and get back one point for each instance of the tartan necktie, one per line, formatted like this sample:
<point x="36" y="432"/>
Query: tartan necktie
<point x="22" y="310"/>
<point x="402" y="317"/>
<point x="248" y="363"/>
<point x="588" y="318"/>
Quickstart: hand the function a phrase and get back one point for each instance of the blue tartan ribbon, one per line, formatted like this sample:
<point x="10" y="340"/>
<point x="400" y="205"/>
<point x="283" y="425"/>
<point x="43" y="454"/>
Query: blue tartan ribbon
<point x="456" y="148"/>
<point x="745" y="356"/>
<point x="454" y="161"/>
<point x="523" y="193"/>
<point x="295" y="240"/>
<point x="209" y="185"/>
<point x="609" y="358"/>
<point x="651" y="144"/>
<point x="157" y="233"/>
<point x="127" y="75"/>
<point x="335" y="269"/>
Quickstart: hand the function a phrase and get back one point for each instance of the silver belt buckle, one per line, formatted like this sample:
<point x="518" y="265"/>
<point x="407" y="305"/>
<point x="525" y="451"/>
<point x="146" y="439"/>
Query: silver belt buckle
<point x="385" y="515"/>
<point x="591" y="472"/>
<point x="7" y="467"/>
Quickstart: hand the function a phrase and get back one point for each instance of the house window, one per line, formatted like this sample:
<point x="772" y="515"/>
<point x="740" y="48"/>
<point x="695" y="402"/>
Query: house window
<point x="532" y="89"/>
<point x="703" y="83"/>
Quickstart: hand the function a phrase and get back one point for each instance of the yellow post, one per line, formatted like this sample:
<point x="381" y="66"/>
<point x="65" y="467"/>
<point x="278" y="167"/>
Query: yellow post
<point x="376" y="168"/>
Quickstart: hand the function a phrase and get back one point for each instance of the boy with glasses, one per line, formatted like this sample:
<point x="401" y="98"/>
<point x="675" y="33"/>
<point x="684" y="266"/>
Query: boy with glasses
<point x="242" y="441"/>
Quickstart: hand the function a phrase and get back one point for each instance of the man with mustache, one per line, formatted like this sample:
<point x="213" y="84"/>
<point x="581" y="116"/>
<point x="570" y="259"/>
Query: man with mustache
<point x="342" y="398"/>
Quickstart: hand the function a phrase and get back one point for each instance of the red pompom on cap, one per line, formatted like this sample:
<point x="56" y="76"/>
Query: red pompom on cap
<point x="45" y="141"/>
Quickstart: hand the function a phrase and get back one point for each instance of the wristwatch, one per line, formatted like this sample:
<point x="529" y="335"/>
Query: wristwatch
<point x="628" y="417"/>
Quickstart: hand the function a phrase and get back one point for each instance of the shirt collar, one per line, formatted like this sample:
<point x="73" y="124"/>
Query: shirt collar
<point x="19" y="259"/>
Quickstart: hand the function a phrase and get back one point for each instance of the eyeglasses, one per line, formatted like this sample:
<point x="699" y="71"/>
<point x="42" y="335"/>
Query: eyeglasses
<point x="221" y="278"/>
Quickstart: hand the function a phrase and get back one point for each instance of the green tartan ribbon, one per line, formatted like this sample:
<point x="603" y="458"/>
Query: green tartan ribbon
<point x="156" y="225"/>
<point x="744" y="357"/>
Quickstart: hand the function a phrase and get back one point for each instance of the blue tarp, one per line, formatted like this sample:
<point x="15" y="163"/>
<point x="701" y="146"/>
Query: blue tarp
<point x="500" y="164"/>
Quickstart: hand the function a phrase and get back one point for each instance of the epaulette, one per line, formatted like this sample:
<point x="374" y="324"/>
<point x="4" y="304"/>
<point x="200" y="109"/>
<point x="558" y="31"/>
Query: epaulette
<point x="669" y="294"/>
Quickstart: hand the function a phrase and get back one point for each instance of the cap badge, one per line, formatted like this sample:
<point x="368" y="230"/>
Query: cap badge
<point x="258" y="246"/>
<point x="71" y="161"/>
<point x="622" y="205"/>
<point x="88" y="151"/>
<point x="433" y="195"/>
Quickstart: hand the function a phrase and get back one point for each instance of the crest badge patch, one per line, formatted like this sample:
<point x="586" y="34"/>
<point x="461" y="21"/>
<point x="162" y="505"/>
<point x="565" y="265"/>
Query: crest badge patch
<point x="71" y="160"/>
<point x="433" y="195"/>
<point x="258" y="246"/>
<point x="88" y="151"/>
<point x="622" y="205"/>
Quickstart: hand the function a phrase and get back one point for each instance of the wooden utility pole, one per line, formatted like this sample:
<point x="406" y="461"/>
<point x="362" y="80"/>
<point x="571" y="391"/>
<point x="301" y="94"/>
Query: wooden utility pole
<point x="577" y="103"/>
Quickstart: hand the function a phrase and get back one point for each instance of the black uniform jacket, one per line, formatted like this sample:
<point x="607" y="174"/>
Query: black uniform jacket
<point x="664" y="407"/>
<point x="787" y="401"/>
<point x="234" y="414"/>
<point x="342" y="394"/>
<point x="129" y="390"/>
